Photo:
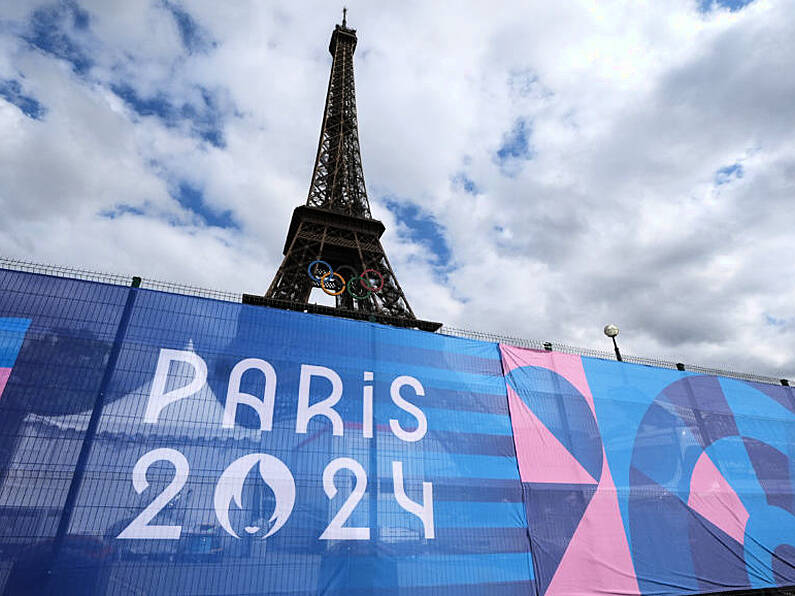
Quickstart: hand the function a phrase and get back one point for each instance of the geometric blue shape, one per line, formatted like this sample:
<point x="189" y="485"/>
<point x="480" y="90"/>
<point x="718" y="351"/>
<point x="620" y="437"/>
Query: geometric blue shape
<point x="700" y="403"/>
<point x="665" y="450"/>
<point x="563" y="410"/>
<point x="784" y="565"/>
<point x="718" y="559"/>
<point x="555" y="511"/>
<point x="659" y="522"/>
<point x="773" y="473"/>
<point x="12" y="332"/>
<point x="783" y="395"/>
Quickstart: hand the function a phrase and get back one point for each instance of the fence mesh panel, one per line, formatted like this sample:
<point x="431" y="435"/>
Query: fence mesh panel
<point x="188" y="290"/>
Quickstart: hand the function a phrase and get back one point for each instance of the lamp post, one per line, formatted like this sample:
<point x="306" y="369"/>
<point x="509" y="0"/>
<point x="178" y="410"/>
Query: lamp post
<point x="611" y="331"/>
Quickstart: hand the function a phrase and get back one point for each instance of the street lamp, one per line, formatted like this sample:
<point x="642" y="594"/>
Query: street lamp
<point x="611" y="331"/>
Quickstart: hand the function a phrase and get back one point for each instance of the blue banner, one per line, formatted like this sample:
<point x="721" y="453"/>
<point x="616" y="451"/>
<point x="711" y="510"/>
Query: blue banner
<point x="177" y="445"/>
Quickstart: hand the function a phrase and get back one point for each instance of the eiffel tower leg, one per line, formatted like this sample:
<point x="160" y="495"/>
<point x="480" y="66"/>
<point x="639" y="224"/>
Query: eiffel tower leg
<point x="291" y="282"/>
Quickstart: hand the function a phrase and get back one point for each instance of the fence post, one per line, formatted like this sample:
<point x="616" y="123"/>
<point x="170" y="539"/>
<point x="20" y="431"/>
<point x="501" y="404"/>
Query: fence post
<point x="93" y="423"/>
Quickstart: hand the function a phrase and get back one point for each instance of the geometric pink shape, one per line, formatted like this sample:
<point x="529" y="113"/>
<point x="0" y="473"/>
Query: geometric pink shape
<point x="712" y="497"/>
<point x="541" y="457"/>
<point x="597" y="560"/>
<point x="568" y="366"/>
<point x="4" y="374"/>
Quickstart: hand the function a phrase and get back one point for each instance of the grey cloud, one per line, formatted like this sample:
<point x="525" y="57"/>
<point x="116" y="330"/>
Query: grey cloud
<point x="618" y="215"/>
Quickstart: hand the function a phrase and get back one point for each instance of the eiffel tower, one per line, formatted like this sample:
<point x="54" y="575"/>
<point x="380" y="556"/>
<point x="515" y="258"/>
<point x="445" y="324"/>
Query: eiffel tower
<point x="333" y="243"/>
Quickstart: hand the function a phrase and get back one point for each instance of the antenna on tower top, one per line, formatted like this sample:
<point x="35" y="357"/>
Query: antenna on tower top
<point x="344" y="14"/>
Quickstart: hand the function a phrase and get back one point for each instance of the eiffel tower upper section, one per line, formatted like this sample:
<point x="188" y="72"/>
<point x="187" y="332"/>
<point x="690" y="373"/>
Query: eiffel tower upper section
<point x="333" y="243"/>
<point x="338" y="180"/>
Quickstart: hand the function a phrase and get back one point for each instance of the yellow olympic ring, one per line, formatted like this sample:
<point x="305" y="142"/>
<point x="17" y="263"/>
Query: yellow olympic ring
<point x="323" y="283"/>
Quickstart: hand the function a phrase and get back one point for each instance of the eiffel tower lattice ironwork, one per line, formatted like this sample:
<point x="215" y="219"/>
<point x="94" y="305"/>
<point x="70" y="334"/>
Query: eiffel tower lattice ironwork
<point x="333" y="243"/>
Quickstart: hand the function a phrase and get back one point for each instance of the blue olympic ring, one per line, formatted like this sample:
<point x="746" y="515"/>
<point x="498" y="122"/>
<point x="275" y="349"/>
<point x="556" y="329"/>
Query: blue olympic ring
<point x="312" y="264"/>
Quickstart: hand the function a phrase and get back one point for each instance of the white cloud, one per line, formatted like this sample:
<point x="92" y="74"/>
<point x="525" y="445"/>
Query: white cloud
<point x="631" y="108"/>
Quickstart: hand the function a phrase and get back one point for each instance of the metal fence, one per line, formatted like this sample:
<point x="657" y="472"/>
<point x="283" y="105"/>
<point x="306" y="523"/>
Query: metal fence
<point x="176" y="288"/>
<point x="118" y="280"/>
<point x="605" y="355"/>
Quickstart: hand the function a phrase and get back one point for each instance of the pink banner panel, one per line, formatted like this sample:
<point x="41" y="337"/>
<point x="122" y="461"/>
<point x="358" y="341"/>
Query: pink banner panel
<point x="578" y="538"/>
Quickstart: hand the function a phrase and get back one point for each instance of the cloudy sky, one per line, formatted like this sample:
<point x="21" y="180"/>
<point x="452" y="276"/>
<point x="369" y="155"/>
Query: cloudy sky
<point x="543" y="168"/>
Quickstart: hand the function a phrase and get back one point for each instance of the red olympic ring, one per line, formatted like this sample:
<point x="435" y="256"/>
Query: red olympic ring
<point x="364" y="280"/>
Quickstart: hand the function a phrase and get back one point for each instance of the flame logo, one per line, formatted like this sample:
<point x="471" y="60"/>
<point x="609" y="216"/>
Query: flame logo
<point x="273" y="472"/>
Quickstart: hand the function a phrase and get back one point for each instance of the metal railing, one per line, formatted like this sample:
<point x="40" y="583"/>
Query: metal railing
<point x="118" y="280"/>
<point x="535" y="344"/>
<point x="188" y="290"/>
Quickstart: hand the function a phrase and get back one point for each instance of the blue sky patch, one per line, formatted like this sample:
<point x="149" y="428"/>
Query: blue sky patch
<point x="192" y="199"/>
<point x="776" y="321"/>
<point x="732" y="5"/>
<point x="120" y="210"/>
<point x="423" y="229"/>
<point x="515" y="147"/>
<point x="516" y="143"/>
<point x="464" y="182"/>
<point x="154" y="106"/>
<point x="80" y="17"/>
<point x="194" y="38"/>
<point x="49" y="32"/>
<point x="728" y="173"/>
<point x="204" y="120"/>
<point x="11" y="91"/>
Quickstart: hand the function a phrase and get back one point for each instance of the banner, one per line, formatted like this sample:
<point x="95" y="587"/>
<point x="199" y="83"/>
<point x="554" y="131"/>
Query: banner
<point x="165" y="444"/>
<point x="153" y="443"/>
<point x="646" y="480"/>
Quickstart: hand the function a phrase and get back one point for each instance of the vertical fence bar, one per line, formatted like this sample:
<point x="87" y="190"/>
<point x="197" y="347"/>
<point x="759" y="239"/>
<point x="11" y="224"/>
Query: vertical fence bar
<point x="96" y="414"/>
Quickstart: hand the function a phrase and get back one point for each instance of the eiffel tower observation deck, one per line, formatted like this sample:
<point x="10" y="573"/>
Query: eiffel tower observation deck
<point x="333" y="242"/>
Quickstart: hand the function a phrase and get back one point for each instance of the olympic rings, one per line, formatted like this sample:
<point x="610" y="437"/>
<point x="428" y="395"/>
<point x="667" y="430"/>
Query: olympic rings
<point x="334" y="284"/>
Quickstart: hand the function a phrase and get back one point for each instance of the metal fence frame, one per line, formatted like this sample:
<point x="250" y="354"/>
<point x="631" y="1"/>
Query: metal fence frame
<point x="606" y="355"/>
<point x="226" y="296"/>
